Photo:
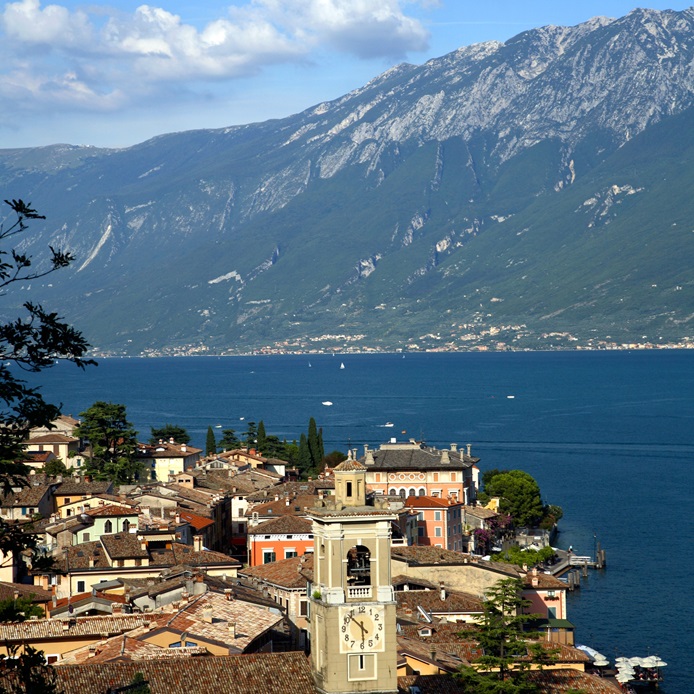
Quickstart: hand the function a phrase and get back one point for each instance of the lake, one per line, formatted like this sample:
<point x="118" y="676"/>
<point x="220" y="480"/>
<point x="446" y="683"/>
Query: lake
<point x="609" y="436"/>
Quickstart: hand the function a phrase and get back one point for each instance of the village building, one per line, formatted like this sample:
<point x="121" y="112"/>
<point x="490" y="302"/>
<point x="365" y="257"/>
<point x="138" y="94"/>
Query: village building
<point x="413" y="469"/>
<point x="439" y="521"/>
<point x="167" y="458"/>
<point x="279" y="538"/>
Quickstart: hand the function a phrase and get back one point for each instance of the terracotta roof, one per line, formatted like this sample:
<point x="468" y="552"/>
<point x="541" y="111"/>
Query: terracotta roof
<point x="42" y="629"/>
<point x="421" y="555"/>
<point x="123" y="546"/>
<point x="35" y="593"/>
<point x="480" y="512"/>
<point x="77" y="486"/>
<point x="288" y="672"/>
<point x="50" y="438"/>
<point x="111" y="510"/>
<point x="198" y="522"/>
<point x="285" y="525"/>
<point x="349" y="466"/>
<point x="291" y="488"/>
<point x="165" y="450"/>
<point x="286" y="573"/>
<point x="430" y="601"/>
<point x="40" y="456"/>
<point x="297" y="506"/>
<point x="28" y="496"/>
<point x="544" y="582"/>
<point x="548" y="681"/>
<point x="418" y="457"/>
<point x="86" y="597"/>
<point x="430" y="502"/>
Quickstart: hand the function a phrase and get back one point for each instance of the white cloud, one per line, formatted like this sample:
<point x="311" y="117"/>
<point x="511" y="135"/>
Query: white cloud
<point x="51" y="55"/>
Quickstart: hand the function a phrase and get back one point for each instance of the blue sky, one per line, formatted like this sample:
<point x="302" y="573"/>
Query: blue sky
<point x="116" y="74"/>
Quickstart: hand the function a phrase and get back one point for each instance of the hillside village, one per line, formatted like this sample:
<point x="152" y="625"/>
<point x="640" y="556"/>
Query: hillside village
<point x="226" y="572"/>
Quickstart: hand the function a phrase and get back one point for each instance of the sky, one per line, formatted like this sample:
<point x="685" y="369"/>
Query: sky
<point x="115" y="74"/>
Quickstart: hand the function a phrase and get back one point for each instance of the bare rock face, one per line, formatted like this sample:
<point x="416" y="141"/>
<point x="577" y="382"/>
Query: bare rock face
<point x="392" y="191"/>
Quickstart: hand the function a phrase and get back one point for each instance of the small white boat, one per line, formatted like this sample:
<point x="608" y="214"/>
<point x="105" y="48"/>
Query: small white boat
<point x="342" y="365"/>
<point x="217" y="426"/>
<point x="388" y="424"/>
<point x="327" y="403"/>
<point x="510" y="397"/>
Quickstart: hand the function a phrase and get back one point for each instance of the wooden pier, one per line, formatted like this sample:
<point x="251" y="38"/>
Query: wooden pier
<point x="571" y="567"/>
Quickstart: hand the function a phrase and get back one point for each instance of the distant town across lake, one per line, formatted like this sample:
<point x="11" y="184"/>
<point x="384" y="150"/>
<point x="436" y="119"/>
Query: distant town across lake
<point x="609" y="436"/>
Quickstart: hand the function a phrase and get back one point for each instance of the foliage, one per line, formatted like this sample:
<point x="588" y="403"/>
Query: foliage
<point x="112" y="443"/>
<point x="56" y="467"/>
<point x="261" y="438"/>
<point x="24" y="671"/>
<point x="169" y="431"/>
<point x="334" y="458"/>
<point x="551" y="516"/>
<point x="139" y="685"/>
<point x="303" y="461"/>
<point x="19" y="610"/>
<point x="504" y="666"/>
<point x="33" y="342"/>
<point x="519" y="494"/>
<point x="229" y="440"/>
<point x="210" y="442"/>
<point x="250" y="435"/>
<point x="531" y="557"/>
<point x="315" y="446"/>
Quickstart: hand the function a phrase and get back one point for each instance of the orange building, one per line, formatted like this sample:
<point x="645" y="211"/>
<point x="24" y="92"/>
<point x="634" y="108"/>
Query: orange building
<point x="280" y="538"/>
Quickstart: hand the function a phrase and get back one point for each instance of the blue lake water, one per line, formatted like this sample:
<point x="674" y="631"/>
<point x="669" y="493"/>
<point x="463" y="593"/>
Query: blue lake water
<point x="609" y="436"/>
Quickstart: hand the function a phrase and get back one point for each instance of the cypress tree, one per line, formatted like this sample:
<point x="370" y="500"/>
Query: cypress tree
<point x="261" y="444"/>
<point x="314" y="445"/>
<point x="304" y="458"/>
<point x="210" y="442"/>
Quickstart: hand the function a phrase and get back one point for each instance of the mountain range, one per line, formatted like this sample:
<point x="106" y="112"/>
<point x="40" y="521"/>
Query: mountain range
<point x="528" y="194"/>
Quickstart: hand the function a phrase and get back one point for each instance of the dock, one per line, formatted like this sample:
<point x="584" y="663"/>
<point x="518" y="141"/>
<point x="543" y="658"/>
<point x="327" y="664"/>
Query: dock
<point x="571" y="567"/>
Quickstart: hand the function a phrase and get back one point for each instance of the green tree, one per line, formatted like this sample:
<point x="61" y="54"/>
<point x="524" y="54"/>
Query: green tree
<point x="19" y="610"/>
<point x="139" y="685"/>
<point x="229" y="440"/>
<point x="169" y="431"/>
<point x="503" y="669"/>
<point x="261" y="438"/>
<point x="520" y="496"/>
<point x="303" y="461"/>
<point x="34" y="341"/>
<point x="112" y="441"/>
<point x="334" y="458"/>
<point x="23" y="670"/>
<point x="250" y="435"/>
<point x="315" y="446"/>
<point x="55" y="467"/>
<point x="210" y="442"/>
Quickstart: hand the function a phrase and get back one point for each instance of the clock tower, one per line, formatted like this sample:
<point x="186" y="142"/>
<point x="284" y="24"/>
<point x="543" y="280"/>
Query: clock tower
<point x="352" y="606"/>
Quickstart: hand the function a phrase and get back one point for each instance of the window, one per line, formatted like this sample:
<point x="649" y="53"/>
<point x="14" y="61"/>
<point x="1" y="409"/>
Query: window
<point x="268" y="556"/>
<point x="420" y="532"/>
<point x="126" y="525"/>
<point x="349" y="489"/>
<point x="422" y="491"/>
<point x="67" y="501"/>
<point x="436" y="476"/>
<point x="289" y="553"/>
<point x="412" y="492"/>
<point x="80" y="586"/>
<point x="393" y="492"/>
<point x="437" y="532"/>
<point x="85" y="537"/>
<point x="437" y="515"/>
<point x="108" y="526"/>
<point x="303" y="608"/>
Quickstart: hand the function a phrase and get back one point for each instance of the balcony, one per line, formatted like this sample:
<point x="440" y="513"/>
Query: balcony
<point x="359" y="592"/>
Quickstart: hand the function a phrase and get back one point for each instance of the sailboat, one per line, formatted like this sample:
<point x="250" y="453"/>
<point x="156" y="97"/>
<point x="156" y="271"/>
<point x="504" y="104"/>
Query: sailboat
<point x="342" y="365"/>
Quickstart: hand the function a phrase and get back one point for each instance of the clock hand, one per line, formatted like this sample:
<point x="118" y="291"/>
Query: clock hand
<point x="360" y="625"/>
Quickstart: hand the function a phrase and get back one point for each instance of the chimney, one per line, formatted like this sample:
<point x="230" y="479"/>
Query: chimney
<point x="184" y="448"/>
<point x="143" y="543"/>
<point x="442" y="591"/>
<point x="207" y="615"/>
<point x="197" y="543"/>
<point x="369" y="460"/>
<point x="469" y="448"/>
<point x="454" y="448"/>
<point x="445" y="457"/>
<point x="171" y="439"/>
<point x="232" y="630"/>
<point x="116" y="608"/>
<point x="535" y="581"/>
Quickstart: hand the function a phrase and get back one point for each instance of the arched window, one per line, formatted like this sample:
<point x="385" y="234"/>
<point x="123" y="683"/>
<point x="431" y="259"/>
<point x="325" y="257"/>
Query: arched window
<point x="359" y="566"/>
<point x="403" y="492"/>
<point x="422" y="491"/>
<point x="412" y="492"/>
<point x="126" y="525"/>
<point x="393" y="492"/>
<point x="108" y="526"/>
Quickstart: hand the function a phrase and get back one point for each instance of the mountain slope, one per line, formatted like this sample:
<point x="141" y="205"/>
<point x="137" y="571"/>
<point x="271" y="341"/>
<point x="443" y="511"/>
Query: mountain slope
<point x="497" y="194"/>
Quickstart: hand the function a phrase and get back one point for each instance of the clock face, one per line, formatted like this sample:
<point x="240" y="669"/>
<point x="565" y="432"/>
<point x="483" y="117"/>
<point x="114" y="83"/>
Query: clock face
<point x="362" y="628"/>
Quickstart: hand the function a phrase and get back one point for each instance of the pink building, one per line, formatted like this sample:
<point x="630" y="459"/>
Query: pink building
<point x="439" y="521"/>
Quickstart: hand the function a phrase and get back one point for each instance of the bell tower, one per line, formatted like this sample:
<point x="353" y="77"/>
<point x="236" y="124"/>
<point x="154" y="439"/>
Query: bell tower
<point x="352" y="606"/>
